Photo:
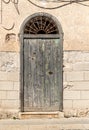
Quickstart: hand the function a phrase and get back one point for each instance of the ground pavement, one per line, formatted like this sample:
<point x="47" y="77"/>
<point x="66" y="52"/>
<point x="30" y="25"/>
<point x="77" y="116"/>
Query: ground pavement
<point x="46" y="124"/>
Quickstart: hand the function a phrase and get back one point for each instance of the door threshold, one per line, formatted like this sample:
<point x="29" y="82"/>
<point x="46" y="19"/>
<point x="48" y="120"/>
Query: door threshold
<point x="30" y="115"/>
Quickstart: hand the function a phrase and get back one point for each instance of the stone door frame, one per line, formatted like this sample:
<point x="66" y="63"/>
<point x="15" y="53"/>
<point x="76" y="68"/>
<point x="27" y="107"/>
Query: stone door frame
<point x="21" y="52"/>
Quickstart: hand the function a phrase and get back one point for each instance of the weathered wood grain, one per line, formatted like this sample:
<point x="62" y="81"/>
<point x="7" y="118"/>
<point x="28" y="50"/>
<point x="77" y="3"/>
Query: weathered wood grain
<point x="42" y="74"/>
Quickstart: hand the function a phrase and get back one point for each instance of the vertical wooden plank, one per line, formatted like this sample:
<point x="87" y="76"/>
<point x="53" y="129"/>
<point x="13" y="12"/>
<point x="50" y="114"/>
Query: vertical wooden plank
<point x="52" y="74"/>
<point x="47" y="79"/>
<point x="29" y="81"/>
<point x="26" y="73"/>
<point x="33" y="79"/>
<point x="57" y="63"/>
<point x="59" y="71"/>
<point x="42" y="74"/>
<point x="33" y="75"/>
<point x="21" y="76"/>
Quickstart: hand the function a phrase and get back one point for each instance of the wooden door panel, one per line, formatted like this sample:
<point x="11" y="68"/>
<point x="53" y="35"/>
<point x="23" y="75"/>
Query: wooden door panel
<point x="42" y="73"/>
<point x="51" y="75"/>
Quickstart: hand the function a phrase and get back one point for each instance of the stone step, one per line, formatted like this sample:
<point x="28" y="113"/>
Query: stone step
<point x="40" y="115"/>
<point x="46" y="124"/>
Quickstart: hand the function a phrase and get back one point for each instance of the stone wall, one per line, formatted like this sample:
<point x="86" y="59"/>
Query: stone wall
<point x="74" y="19"/>
<point x="9" y="82"/>
<point x="76" y="83"/>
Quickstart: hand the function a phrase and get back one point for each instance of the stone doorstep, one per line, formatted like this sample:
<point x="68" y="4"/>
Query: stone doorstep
<point x="29" y="115"/>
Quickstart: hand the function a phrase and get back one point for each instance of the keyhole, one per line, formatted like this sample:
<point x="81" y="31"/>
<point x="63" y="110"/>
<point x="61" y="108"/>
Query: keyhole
<point x="32" y="58"/>
<point x="34" y="53"/>
<point x="50" y="72"/>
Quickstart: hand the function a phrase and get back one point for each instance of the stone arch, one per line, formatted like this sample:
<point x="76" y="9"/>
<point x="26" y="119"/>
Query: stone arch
<point x="40" y="32"/>
<point x="52" y="19"/>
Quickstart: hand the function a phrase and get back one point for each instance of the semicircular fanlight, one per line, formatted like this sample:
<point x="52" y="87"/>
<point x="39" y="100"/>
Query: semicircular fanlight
<point x="41" y="25"/>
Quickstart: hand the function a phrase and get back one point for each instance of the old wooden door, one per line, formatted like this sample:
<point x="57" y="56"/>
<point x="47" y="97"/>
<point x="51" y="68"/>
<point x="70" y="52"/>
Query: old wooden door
<point x="42" y="74"/>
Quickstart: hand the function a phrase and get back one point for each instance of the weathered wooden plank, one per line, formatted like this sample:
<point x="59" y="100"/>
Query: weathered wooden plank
<point x="42" y="75"/>
<point x="26" y="73"/>
<point x="33" y="72"/>
<point x="29" y="82"/>
<point x="52" y="96"/>
<point x="57" y="74"/>
<point x="47" y="75"/>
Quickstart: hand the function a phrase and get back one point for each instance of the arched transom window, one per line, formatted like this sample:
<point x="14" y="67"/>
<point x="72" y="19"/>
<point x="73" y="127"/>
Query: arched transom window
<point x="41" y="25"/>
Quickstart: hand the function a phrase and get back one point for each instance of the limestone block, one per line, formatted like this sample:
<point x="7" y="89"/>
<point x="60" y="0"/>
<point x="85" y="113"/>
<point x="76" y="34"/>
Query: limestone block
<point x="13" y="76"/>
<point x="67" y="66"/>
<point x="65" y="56"/>
<point x="17" y="86"/>
<point x="9" y="62"/>
<point x="86" y="75"/>
<point x="85" y="56"/>
<point x="9" y="76"/>
<point x="78" y="86"/>
<point x="81" y="104"/>
<point x="64" y="76"/>
<point x="74" y="56"/>
<point x="10" y="104"/>
<point x="68" y="86"/>
<point x="65" y="85"/>
<point x="75" y="76"/>
<point x="81" y="66"/>
<point x="3" y="95"/>
<point x="13" y="95"/>
<point x="84" y="94"/>
<point x="67" y="104"/>
<point x="71" y="94"/>
<point x="3" y="76"/>
<point x="77" y="56"/>
<point x="5" y="85"/>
